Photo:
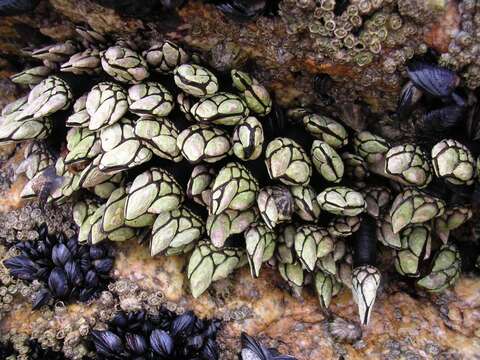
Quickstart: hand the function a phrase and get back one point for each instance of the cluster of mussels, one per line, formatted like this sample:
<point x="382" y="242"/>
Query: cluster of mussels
<point x="156" y="150"/>
<point x="166" y="335"/>
<point x="65" y="269"/>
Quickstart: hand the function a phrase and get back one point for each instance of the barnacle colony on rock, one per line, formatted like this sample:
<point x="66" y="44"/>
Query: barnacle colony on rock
<point x="159" y="144"/>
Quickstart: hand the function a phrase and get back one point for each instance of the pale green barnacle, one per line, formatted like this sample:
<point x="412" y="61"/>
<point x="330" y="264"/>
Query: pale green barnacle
<point x="340" y="249"/>
<point x="175" y="229"/>
<point x="453" y="162"/>
<point x="69" y="183"/>
<point x="327" y="264"/>
<point x="256" y="95"/>
<point x="80" y="117"/>
<point x="385" y="232"/>
<point x="57" y="53"/>
<point x="31" y="76"/>
<point x="184" y="102"/>
<point x="450" y="220"/>
<point x="305" y="201"/>
<point x="200" y="180"/>
<point x="221" y="108"/>
<point x="293" y="275"/>
<point x="343" y="226"/>
<point x="311" y="243"/>
<point x="229" y="222"/>
<point x="370" y="147"/>
<point x="355" y="166"/>
<point x="92" y="176"/>
<point x="160" y="136"/>
<point x="203" y="142"/>
<point x="105" y="188"/>
<point x="327" y="162"/>
<point x="165" y="57"/>
<point x="414" y="241"/>
<point x="376" y="197"/>
<point x="30" y="129"/>
<point x="285" y="251"/>
<point x="82" y="212"/>
<point x="82" y="144"/>
<point x="153" y="191"/>
<point x="340" y="200"/>
<point x="106" y="104"/>
<point x="95" y="234"/>
<point x="324" y="284"/>
<point x="113" y="221"/>
<point x="195" y="80"/>
<point x="326" y="129"/>
<point x="150" y="98"/>
<point x="49" y="96"/>
<point x="260" y="246"/>
<point x="275" y="204"/>
<point x="413" y="207"/>
<point x="287" y="162"/>
<point x="124" y="65"/>
<point x="408" y="165"/>
<point x="86" y="62"/>
<point x="36" y="158"/>
<point x="11" y="110"/>
<point x="365" y="282"/>
<point x="248" y="139"/>
<point x="208" y="264"/>
<point x="234" y="188"/>
<point x="445" y="270"/>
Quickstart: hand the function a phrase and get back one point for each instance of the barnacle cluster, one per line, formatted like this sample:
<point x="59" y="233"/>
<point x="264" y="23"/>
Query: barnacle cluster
<point x="160" y="146"/>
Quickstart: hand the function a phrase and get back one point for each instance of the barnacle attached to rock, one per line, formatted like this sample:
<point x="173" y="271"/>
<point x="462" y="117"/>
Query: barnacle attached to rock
<point x="305" y="202"/>
<point x="415" y="240"/>
<point x="408" y="165"/>
<point x="445" y="269"/>
<point x="31" y="76"/>
<point x="326" y="129"/>
<point x="80" y="116"/>
<point x="221" y="109"/>
<point x="344" y="226"/>
<point x="150" y="98"/>
<point x="113" y="219"/>
<point x="86" y="62"/>
<point x="255" y="95"/>
<point x="124" y="65"/>
<point x="199" y="183"/>
<point x="355" y="166"/>
<point x="229" y="222"/>
<point x="165" y="57"/>
<point x="327" y="162"/>
<point x="453" y="162"/>
<point x="106" y="104"/>
<point x="275" y="204"/>
<point x="288" y="162"/>
<point x="452" y="219"/>
<point x="248" y="139"/>
<point x="195" y="80"/>
<point x="340" y="200"/>
<point x="311" y="243"/>
<point x="372" y="148"/>
<point x="293" y="275"/>
<point x="260" y="246"/>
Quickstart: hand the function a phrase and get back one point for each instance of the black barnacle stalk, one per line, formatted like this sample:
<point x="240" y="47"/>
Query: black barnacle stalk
<point x="365" y="276"/>
<point x="66" y="269"/>
<point x="166" y="335"/>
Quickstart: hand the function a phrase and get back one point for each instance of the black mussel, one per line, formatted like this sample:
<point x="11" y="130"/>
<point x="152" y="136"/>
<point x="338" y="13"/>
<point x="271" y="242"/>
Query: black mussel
<point x="17" y="7"/>
<point x="409" y="96"/>
<point x="433" y="79"/>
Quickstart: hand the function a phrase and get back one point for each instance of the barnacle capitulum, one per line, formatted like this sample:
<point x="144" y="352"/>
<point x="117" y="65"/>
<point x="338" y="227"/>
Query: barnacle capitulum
<point x="340" y="200"/>
<point x="198" y="185"/>
<point x="326" y="129"/>
<point x="355" y="166"/>
<point x="377" y="198"/>
<point x="86" y="62"/>
<point x="56" y="53"/>
<point x="275" y="204"/>
<point x="106" y="104"/>
<point x="372" y="148"/>
<point x="327" y="162"/>
<point x="343" y="226"/>
<point x="195" y="80"/>
<point x="31" y="76"/>
<point x="234" y="188"/>
<point x="221" y="108"/>
<point x="49" y="96"/>
<point x="305" y="202"/>
<point x="175" y="229"/>
<point x="229" y="222"/>
<point x="153" y="191"/>
<point x="255" y="95"/>
<point x="82" y="144"/>
<point x="124" y="65"/>
<point x="311" y="243"/>
<point x="150" y="98"/>
<point x="385" y="233"/>
<point x="293" y="274"/>
<point x="285" y="252"/>
<point x="248" y="139"/>
<point x="288" y="162"/>
<point x="208" y="263"/>
<point x="365" y="282"/>
<point x="415" y="240"/>
<point x="413" y="207"/>
<point x="203" y="142"/>
<point x="165" y="57"/>
<point x="452" y="219"/>
<point x="80" y="116"/>
<point x="259" y="245"/>
<point x="113" y="219"/>
<point x="408" y="164"/>
<point x="29" y="129"/>
<point x="445" y="269"/>
<point x="453" y="162"/>
<point x="324" y="285"/>
<point x="160" y="136"/>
